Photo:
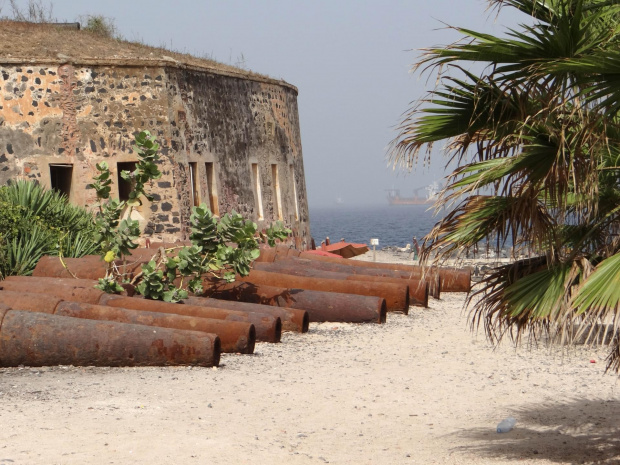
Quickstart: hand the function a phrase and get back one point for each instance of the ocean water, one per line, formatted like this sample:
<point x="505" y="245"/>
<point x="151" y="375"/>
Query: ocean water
<point x="392" y="225"/>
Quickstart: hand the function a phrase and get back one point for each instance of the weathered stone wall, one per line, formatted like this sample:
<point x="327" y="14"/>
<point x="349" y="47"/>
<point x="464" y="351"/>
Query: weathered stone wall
<point x="235" y="123"/>
<point x="212" y="129"/>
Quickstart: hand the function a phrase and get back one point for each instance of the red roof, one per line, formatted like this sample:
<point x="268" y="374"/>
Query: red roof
<point x="346" y="249"/>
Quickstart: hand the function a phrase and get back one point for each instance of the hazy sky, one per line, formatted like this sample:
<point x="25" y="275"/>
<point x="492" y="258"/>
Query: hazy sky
<point x="350" y="60"/>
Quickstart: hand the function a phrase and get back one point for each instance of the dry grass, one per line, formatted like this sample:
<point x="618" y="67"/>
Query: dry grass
<point x="32" y="41"/>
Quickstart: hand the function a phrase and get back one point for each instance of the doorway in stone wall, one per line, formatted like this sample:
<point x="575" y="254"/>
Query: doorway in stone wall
<point x="125" y="187"/>
<point x="61" y="176"/>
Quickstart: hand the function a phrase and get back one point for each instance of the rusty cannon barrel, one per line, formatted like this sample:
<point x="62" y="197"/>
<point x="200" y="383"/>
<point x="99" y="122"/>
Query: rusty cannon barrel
<point x="433" y="279"/>
<point x="65" y="292"/>
<point x="27" y="301"/>
<point x="48" y="282"/>
<point x="418" y="289"/>
<point x="88" y="283"/>
<point x="235" y="336"/>
<point x="292" y="319"/>
<point x="396" y="296"/>
<point x="296" y="320"/>
<point x="452" y="279"/>
<point x="86" y="267"/>
<point x="321" y="306"/>
<point x="226" y="336"/>
<point x="42" y="339"/>
<point x="268" y="328"/>
<point x="279" y="252"/>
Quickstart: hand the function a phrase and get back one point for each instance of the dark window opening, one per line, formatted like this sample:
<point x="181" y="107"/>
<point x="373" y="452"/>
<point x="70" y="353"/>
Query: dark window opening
<point x="124" y="187"/>
<point x="60" y="178"/>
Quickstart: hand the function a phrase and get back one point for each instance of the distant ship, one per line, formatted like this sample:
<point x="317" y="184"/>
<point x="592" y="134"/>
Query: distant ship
<point x="432" y="190"/>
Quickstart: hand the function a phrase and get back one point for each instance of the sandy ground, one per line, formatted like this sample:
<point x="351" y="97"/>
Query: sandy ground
<point x="420" y="389"/>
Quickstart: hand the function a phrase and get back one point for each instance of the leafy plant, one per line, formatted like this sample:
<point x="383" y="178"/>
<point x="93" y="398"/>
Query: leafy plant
<point x="36" y="222"/>
<point x="220" y="249"/>
<point x="100" y="25"/>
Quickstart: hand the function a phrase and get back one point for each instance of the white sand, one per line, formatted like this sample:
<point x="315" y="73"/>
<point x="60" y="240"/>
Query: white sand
<point x="420" y="389"/>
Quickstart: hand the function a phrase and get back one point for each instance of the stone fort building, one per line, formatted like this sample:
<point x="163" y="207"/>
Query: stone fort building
<point x="229" y="138"/>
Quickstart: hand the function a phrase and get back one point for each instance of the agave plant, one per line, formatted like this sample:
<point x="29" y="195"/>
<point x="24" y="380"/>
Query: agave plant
<point x="536" y="141"/>
<point x="35" y="222"/>
<point x="20" y="254"/>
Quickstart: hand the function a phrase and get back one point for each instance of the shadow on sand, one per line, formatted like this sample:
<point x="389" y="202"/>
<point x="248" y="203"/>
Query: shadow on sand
<point x="574" y="431"/>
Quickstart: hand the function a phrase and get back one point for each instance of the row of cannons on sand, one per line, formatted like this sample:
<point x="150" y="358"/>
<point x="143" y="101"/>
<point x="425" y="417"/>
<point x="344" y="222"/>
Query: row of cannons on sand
<point x="51" y="318"/>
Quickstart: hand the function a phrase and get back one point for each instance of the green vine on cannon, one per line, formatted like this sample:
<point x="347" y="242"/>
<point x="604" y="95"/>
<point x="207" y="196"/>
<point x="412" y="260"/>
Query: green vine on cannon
<point x="220" y="249"/>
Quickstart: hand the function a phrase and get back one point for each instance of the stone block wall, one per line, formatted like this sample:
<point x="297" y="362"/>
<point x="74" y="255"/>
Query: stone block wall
<point x="216" y="131"/>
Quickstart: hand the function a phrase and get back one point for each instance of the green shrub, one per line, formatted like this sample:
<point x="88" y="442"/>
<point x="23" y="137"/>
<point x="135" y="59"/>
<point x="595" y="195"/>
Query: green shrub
<point x="36" y="222"/>
<point x="101" y="26"/>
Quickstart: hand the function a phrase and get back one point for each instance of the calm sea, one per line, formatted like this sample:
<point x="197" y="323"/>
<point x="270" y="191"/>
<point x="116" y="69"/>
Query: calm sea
<point x="392" y="225"/>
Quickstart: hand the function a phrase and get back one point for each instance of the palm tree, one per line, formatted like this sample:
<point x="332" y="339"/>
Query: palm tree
<point x="536" y="141"/>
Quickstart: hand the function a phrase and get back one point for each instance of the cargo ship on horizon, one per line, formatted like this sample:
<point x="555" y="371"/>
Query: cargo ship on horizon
<point x="394" y="197"/>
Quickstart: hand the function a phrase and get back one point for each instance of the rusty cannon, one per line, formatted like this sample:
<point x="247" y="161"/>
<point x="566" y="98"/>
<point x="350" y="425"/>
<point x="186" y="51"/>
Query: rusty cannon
<point x="87" y="267"/>
<point x="321" y="306"/>
<point x="433" y="279"/>
<point x="77" y="292"/>
<point x="418" y="289"/>
<point x="268" y="328"/>
<point x="452" y="279"/>
<point x="396" y="296"/>
<point x="296" y="320"/>
<point x="232" y="336"/>
<point x="43" y="339"/>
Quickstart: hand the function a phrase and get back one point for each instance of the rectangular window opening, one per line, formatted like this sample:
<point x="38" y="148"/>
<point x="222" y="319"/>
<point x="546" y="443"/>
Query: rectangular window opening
<point x="60" y="178"/>
<point x="124" y="187"/>
<point x="257" y="190"/>
<point x="277" y="201"/>
<point x="193" y="182"/>
<point x="292" y="173"/>
<point x="212" y="189"/>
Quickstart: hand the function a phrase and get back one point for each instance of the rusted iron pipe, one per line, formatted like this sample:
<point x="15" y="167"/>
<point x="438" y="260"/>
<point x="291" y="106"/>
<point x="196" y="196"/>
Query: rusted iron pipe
<point x="279" y="252"/>
<point x="87" y="267"/>
<point x="78" y="294"/>
<point x="321" y="306"/>
<point x="268" y="328"/>
<point x="129" y="289"/>
<point x="432" y="279"/>
<point x="41" y="339"/>
<point x="226" y="336"/>
<point x="418" y="289"/>
<point x="292" y="319"/>
<point x="88" y="283"/>
<point x="396" y="296"/>
<point x="452" y="280"/>
<point x="236" y="336"/>
<point x="28" y="300"/>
